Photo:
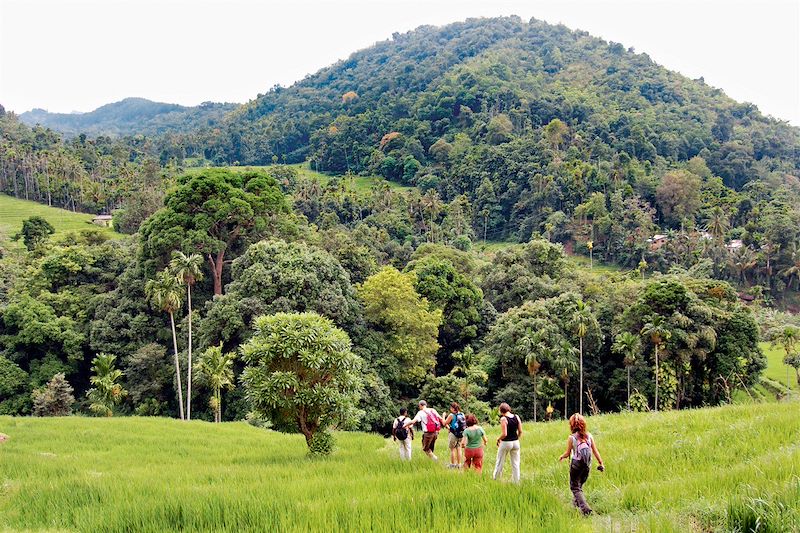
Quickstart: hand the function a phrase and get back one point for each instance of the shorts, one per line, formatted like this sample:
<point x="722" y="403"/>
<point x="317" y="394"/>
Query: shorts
<point x="473" y="457"/>
<point x="429" y="441"/>
<point x="453" y="442"/>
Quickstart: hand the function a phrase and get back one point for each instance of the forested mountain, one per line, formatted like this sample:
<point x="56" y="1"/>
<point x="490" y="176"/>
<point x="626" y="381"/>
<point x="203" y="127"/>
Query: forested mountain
<point x="129" y="117"/>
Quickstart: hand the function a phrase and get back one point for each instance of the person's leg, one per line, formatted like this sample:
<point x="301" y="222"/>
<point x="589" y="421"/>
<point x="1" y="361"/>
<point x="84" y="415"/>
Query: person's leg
<point x="451" y="444"/>
<point x="405" y="449"/>
<point x="577" y="476"/>
<point x="478" y="460"/>
<point x="426" y="444"/>
<point x="468" y="456"/>
<point x="514" y="456"/>
<point x="501" y="458"/>
<point x="434" y="436"/>
<point x="459" y="452"/>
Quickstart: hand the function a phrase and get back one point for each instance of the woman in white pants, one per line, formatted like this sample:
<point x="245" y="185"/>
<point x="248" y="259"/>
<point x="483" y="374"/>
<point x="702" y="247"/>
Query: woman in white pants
<point x="508" y="442"/>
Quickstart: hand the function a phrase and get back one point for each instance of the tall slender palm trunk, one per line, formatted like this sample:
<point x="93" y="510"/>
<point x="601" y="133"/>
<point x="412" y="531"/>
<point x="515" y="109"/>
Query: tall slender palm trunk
<point x="189" y="370"/>
<point x="535" y="411"/>
<point x="177" y="365"/>
<point x="629" y="388"/>
<point x="565" y="400"/>
<point x="656" y="377"/>
<point x="580" y="410"/>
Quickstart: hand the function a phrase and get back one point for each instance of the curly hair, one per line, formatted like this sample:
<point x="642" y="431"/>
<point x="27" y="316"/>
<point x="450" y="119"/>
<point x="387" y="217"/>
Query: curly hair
<point x="577" y="424"/>
<point x="471" y="420"/>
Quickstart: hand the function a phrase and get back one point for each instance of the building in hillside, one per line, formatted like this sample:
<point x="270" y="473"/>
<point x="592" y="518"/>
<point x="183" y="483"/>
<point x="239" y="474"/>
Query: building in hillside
<point x="103" y="220"/>
<point x="657" y="241"/>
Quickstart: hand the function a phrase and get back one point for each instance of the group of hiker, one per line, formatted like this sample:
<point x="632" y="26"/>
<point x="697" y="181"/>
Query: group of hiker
<point x="467" y="441"/>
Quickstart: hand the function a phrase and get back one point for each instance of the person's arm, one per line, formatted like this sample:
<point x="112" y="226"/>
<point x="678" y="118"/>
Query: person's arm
<point x="597" y="453"/>
<point x="440" y="417"/>
<point x="519" y="427"/>
<point x="412" y="421"/>
<point x="503" y="429"/>
<point x="569" y="450"/>
<point x="394" y="428"/>
<point x="447" y="420"/>
<point x="483" y="435"/>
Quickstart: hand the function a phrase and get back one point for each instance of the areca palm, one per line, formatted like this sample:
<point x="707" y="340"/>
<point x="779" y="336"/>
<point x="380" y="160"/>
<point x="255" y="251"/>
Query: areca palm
<point x="581" y="319"/>
<point x="536" y="351"/>
<point x="187" y="270"/>
<point x="565" y="363"/>
<point x="106" y="391"/>
<point x="215" y="369"/>
<point x="628" y="346"/>
<point x="658" y="333"/>
<point x="164" y="293"/>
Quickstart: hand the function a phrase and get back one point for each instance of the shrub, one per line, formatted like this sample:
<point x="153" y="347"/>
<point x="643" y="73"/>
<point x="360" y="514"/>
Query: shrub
<point x="55" y="399"/>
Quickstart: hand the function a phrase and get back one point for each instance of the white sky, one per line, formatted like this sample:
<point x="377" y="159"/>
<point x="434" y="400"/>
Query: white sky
<point x="70" y="55"/>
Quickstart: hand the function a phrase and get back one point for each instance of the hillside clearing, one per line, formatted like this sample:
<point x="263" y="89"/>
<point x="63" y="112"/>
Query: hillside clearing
<point x="13" y="211"/>
<point x="151" y="474"/>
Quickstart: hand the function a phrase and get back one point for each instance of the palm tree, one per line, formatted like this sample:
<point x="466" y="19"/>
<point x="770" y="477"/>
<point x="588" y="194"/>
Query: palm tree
<point x="106" y="392"/>
<point x="164" y="293"/>
<point x="657" y="330"/>
<point x="793" y="269"/>
<point x="187" y="270"/>
<point x="565" y="362"/>
<point x="628" y="346"/>
<point x="530" y="344"/>
<point x="215" y="369"/>
<point x="718" y="223"/>
<point x="582" y="318"/>
<point x="788" y="339"/>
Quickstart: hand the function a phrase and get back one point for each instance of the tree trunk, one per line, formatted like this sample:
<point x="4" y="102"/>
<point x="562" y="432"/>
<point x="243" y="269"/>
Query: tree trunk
<point x="629" y="388"/>
<point x="580" y="409"/>
<point x="656" y="404"/>
<point x="189" y="369"/>
<point x="565" y="400"/>
<point x="535" y="413"/>
<point x="216" y="270"/>
<point x="177" y="364"/>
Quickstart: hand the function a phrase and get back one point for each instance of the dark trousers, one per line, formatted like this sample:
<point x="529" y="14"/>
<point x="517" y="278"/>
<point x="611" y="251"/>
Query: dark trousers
<point x="578" y="474"/>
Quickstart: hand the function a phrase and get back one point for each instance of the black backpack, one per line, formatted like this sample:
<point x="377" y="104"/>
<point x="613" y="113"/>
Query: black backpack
<point x="400" y="432"/>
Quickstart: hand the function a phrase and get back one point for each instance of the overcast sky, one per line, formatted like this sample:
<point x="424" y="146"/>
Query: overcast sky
<point x="69" y="55"/>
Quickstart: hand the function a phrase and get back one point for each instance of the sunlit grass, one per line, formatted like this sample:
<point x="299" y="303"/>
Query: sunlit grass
<point x="678" y="471"/>
<point x="14" y="211"/>
<point x="776" y="370"/>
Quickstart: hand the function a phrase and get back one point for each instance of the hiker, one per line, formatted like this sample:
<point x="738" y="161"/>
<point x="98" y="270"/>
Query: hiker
<point x="580" y="447"/>
<point x="474" y="442"/>
<point x="508" y="442"/>
<point x="403" y="434"/>
<point x="456" y="423"/>
<point x="431" y="423"/>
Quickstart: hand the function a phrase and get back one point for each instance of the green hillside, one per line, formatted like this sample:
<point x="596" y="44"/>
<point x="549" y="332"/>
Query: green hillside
<point x="721" y="469"/>
<point x="13" y="211"/>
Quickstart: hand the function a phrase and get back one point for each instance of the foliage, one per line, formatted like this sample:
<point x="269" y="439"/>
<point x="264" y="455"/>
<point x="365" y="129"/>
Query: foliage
<point x="35" y="231"/>
<point x="106" y="392"/>
<point x="215" y="370"/>
<point x="55" y="399"/>
<point x="300" y="373"/>
<point x="15" y="394"/>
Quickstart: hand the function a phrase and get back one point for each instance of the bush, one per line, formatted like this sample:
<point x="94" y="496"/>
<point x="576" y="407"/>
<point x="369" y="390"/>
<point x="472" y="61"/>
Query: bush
<point x="322" y="443"/>
<point x="55" y="399"/>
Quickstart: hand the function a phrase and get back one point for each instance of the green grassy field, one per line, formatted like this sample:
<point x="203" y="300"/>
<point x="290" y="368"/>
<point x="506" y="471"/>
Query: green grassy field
<point x="14" y="211"/>
<point x="718" y="469"/>
<point x="776" y="370"/>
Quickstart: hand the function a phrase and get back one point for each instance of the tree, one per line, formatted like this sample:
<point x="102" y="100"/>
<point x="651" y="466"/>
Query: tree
<point x="678" y="196"/>
<point x="656" y="329"/>
<point x="165" y="294"/>
<point x="500" y="129"/>
<point x="404" y="321"/>
<point x="555" y="132"/>
<point x="15" y="392"/>
<point x="788" y="339"/>
<point x="186" y="269"/>
<point x="215" y="370"/>
<point x="629" y="346"/>
<point x="718" y="223"/>
<point x="216" y="213"/>
<point x="55" y="399"/>
<point x="565" y="363"/>
<point x="582" y="320"/>
<point x="300" y="373"/>
<point x="35" y="230"/>
<point x="106" y="392"/>
<point x="149" y="379"/>
<point x="273" y="276"/>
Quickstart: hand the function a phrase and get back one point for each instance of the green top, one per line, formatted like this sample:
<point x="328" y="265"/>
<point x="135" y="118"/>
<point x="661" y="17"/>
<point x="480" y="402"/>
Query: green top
<point x="474" y="436"/>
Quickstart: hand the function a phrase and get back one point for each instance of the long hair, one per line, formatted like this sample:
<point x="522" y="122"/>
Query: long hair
<point x="577" y="424"/>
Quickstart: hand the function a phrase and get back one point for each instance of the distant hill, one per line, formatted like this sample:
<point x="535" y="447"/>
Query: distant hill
<point x="129" y="117"/>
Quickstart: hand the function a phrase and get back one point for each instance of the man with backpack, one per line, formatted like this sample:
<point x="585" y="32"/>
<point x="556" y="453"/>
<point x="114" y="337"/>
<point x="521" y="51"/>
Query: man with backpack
<point x="431" y="423"/>
<point x="456" y="423"/>
<point x="403" y="434"/>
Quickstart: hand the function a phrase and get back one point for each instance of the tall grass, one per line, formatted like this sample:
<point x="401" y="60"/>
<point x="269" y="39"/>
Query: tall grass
<point x="674" y="471"/>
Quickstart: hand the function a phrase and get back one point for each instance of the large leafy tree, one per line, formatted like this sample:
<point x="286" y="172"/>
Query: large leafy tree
<point x="459" y="299"/>
<point x="216" y="213"/>
<point x="301" y="373"/>
<point x="35" y="230"/>
<point x="274" y="276"/>
<point x="404" y="322"/>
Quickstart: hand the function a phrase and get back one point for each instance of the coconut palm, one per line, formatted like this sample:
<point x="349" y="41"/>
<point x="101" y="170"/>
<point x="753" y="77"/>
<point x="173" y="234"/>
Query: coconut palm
<point x="718" y="223"/>
<point x="628" y="346"/>
<point x="187" y="270"/>
<point x="582" y="318"/>
<point x="658" y="333"/>
<point x="215" y="369"/>
<point x="164" y="293"/>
